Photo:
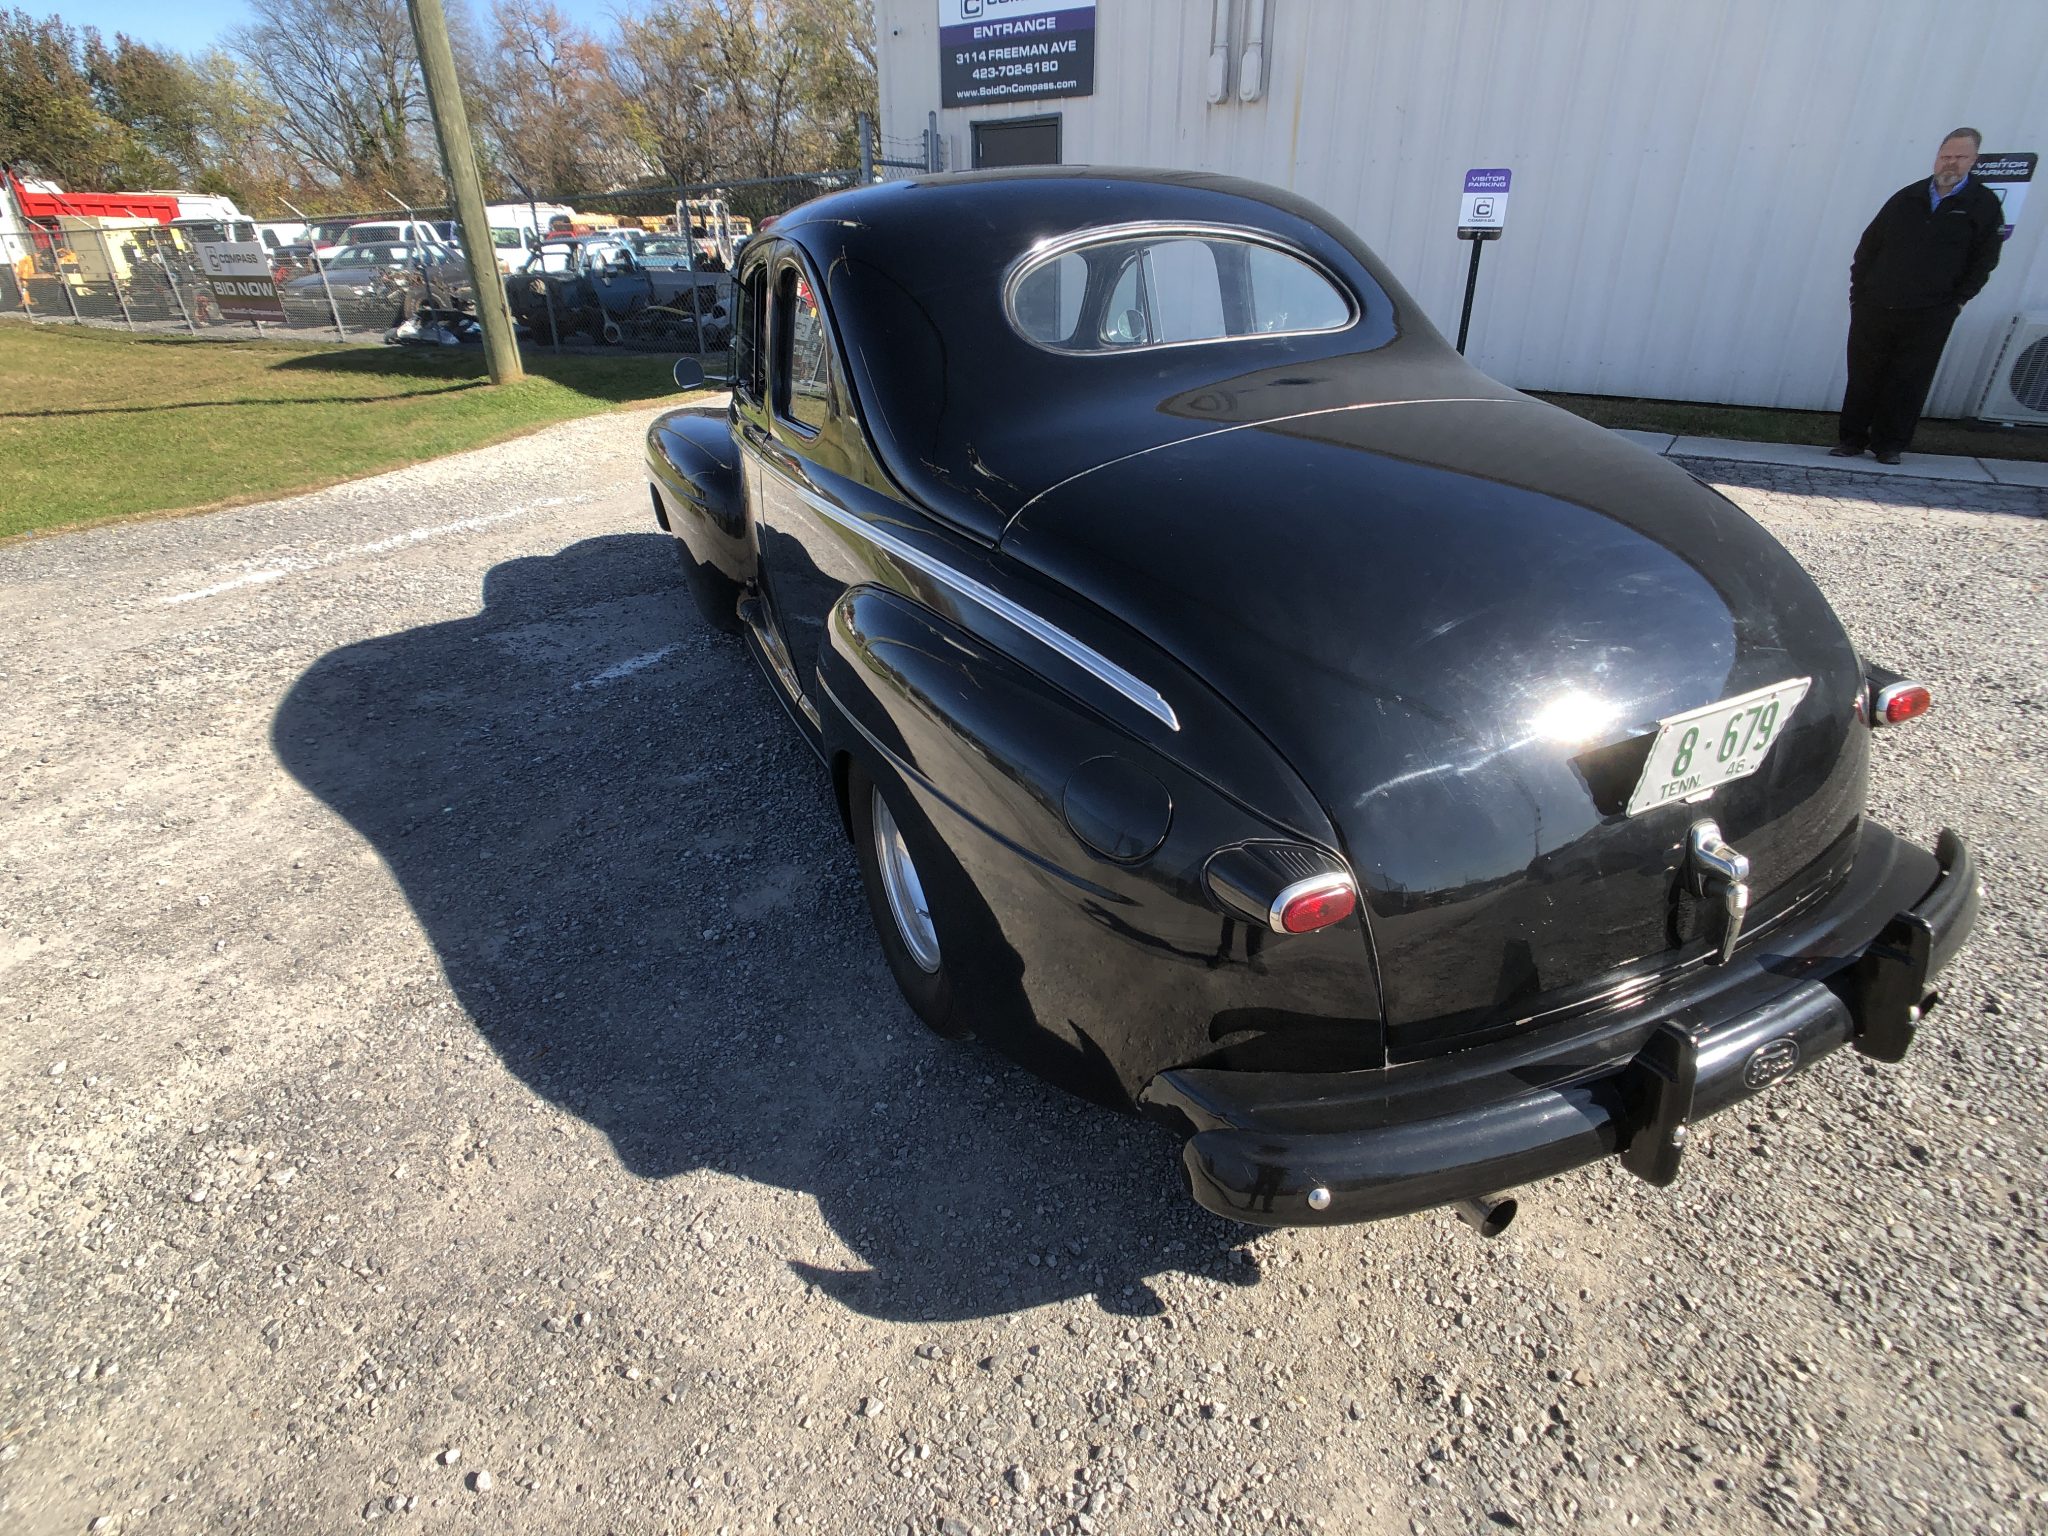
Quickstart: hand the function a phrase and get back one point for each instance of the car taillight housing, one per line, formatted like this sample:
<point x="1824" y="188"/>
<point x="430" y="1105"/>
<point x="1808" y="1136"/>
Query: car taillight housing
<point x="1896" y="703"/>
<point x="1283" y="887"/>
<point x="1314" y="904"/>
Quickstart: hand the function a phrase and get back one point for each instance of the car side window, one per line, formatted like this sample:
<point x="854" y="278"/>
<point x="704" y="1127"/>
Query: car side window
<point x="1124" y="318"/>
<point x="1162" y="289"/>
<point x="1051" y="307"/>
<point x="1185" y="285"/>
<point x="802" y="375"/>
<point x="1168" y="290"/>
<point x="747" y="351"/>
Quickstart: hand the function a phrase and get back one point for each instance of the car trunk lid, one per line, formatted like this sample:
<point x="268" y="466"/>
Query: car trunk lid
<point x="1460" y="621"/>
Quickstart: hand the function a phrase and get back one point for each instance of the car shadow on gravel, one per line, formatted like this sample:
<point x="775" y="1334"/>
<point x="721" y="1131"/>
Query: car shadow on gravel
<point x="634" y="876"/>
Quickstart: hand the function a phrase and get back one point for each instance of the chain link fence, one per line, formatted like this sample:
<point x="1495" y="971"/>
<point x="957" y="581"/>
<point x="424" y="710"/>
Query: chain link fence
<point x="646" y="269"/>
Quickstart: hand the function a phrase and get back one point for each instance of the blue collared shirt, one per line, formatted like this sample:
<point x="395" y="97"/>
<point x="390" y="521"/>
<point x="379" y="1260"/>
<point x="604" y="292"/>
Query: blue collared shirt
<point x="1935" y="194"/>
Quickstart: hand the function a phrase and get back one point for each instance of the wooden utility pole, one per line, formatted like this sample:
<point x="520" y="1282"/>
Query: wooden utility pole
<point x="451" y="127"/>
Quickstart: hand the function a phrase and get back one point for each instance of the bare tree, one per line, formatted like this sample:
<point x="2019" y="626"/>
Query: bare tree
<point x="664" y="109"/>
<point x="346" y="76"/>
<point x="547" y="98"/>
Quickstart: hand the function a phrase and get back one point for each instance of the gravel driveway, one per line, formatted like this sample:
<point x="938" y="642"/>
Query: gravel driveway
<point x="450" y="1081"/>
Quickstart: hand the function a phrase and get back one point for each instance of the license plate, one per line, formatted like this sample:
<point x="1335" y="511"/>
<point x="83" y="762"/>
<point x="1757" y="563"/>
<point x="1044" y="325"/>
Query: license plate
<point x="1708" y="746"/>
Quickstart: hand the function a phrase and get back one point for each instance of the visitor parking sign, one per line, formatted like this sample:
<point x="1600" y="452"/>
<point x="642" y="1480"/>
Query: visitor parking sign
<point x="1485" y="205"/>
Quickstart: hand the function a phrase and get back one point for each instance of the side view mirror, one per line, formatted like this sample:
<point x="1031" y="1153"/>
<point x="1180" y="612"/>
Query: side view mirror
<point x="689" y="373"/>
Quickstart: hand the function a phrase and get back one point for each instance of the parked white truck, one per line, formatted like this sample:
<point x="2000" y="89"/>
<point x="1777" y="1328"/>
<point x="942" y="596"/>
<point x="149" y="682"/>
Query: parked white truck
<point x="517" y="229"/>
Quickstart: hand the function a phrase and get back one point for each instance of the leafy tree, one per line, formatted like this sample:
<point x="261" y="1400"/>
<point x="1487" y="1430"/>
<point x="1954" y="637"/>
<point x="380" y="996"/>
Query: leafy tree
<point x="725" y="89"/>
<point x="156" y="102"/>
<point x="51" y="120"/>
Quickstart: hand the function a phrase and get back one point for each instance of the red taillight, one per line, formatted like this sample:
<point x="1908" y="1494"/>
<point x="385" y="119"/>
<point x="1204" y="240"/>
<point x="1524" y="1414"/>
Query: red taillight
<point x="1900" y="702"/>
<point x="1311" y="906"/>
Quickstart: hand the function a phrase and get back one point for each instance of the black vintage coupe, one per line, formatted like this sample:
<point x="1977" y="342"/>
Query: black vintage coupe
<point x="1245" y="710"/>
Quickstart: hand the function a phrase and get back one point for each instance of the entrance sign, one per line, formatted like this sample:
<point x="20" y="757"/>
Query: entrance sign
<point x="238" y="272"/>
<point x="2007" y="176"/>
<point x="1015" y="50"/>
<point x="1485" y="205"/>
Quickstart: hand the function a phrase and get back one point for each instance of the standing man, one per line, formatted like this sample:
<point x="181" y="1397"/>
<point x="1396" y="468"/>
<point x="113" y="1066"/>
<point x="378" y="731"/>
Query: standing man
<point x="1927" y="253"/>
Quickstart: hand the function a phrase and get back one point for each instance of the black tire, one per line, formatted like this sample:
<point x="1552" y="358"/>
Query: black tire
<point x="932" y="993"/>
<point x="716" y="594"/>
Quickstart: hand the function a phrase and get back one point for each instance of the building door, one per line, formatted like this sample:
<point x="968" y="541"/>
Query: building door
<point x="1017" y="141"/>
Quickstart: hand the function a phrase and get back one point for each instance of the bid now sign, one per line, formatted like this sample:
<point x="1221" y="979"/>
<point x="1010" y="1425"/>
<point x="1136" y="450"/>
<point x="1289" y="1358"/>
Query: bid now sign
<point x="238" y="272"/>
<point x="1485" y="204"/>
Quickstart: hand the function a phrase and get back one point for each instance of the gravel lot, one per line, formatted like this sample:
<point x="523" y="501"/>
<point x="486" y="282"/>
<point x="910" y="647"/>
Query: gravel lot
<point x="449" y="1081"/>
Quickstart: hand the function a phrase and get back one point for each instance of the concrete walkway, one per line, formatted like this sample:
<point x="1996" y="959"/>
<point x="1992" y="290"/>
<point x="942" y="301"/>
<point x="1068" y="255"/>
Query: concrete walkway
<point x="1913" y="466"/>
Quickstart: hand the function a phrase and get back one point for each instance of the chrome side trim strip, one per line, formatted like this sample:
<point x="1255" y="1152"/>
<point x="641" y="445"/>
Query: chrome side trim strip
<point x="1050" y="635"/>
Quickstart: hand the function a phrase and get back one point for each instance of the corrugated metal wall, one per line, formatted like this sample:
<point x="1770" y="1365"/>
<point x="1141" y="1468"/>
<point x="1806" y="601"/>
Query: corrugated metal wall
<point x="1690" y="176"/>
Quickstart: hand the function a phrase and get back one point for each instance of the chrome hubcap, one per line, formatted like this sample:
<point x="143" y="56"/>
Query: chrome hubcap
<point x="904" y="890"/>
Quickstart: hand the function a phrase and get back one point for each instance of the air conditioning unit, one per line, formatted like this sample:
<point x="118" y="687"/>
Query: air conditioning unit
<point x="2017" y="390"/>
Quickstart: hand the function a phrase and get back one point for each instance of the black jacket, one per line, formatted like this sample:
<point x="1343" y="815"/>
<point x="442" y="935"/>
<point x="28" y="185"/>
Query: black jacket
<point x="1914" y="257"/>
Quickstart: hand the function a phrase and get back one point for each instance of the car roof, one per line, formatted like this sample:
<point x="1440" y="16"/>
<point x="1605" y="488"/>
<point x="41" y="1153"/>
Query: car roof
<point x="975" y="421"/>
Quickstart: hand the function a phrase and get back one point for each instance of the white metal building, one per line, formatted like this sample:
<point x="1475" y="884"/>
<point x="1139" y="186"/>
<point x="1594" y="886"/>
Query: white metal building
<point x="1690" y="176"/>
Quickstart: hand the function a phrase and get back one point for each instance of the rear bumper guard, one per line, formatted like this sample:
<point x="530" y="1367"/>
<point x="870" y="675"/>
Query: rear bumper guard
<point x="1247" y="1163"/>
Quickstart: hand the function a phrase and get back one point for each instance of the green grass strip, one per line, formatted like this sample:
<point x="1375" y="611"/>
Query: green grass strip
<point x="97" y="425"/>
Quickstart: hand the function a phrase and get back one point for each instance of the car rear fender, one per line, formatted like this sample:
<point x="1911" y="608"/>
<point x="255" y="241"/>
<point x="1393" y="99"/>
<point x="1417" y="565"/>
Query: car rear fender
<point x="1082" y="851"/>
<point x="695" y="470"/>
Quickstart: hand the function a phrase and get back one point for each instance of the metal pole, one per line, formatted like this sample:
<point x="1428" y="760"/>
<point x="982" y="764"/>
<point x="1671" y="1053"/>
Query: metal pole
<point x="419" y="249"/>
<point x="114" y="277"/>
<point x="176" y="297"/>
<point x="327" y="288"/>
<point x="21" y="283"/>
<point x="14" y="265"/>
<point x="1471" y="285"/>
<point x="864" y="127"/>
<point x="320" y="267"/>
<point x="931" y="142"/>
<point x="451" y="126"/>
<point x="689" y="239"/>
<point x="69" y="297"/>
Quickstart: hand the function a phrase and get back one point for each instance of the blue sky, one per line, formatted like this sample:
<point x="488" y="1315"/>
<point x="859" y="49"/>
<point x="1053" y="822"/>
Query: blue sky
<point x="192" y="26"/>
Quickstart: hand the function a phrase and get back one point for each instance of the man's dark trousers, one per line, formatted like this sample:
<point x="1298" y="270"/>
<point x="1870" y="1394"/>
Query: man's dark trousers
<point x="1892" y="357"/>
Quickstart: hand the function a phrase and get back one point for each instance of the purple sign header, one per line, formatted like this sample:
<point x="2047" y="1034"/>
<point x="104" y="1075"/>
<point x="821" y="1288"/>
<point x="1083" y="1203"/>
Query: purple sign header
<point x="1487" y="181"/>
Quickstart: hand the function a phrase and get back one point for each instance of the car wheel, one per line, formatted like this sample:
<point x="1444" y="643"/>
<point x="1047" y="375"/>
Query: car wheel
<point x="716" y="594"/>
<point x="900" y="858"/>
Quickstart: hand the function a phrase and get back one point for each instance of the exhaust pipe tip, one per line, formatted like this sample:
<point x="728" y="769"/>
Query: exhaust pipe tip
<point x="1488" y="1215"/>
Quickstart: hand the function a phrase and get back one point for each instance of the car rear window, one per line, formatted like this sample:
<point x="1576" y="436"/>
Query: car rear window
<point x="1120" y="291"/>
